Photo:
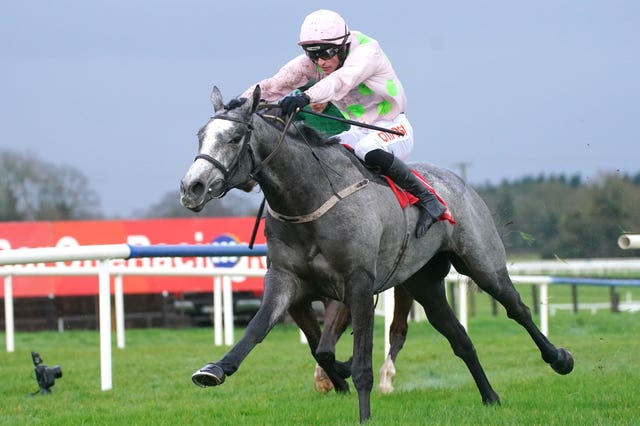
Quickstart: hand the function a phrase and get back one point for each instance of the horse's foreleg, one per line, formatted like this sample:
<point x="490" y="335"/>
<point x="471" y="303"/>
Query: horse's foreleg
<point x="433" y="298"/>
<point x="362" y="316"/>
<point x="397" y="336"/>
<point x="279" y="292"/>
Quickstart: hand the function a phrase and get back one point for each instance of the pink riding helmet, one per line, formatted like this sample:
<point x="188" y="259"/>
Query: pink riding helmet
<point x="324" y="27"/>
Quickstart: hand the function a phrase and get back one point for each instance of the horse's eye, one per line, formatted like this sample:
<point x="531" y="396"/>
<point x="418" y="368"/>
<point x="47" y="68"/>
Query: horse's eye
<point x="236" y="139"/>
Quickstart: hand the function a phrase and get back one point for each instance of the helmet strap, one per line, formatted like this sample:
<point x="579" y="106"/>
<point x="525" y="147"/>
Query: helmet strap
<point x="344" y="48"/>
<point x="343" y="53"/>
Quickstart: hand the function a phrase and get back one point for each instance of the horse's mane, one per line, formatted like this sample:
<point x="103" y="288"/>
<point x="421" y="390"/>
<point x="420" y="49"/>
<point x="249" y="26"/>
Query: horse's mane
<point x="301" y="131"/>
<point x="298" y="129"/>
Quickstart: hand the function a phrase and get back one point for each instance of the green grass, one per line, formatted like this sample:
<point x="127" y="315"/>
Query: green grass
<point x="151" y="379"/>
<point x="562" y="293"/>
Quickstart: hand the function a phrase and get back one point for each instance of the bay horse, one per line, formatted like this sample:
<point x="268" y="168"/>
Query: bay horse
<point x="334" y="229"/>
<point x="336" y="320"/>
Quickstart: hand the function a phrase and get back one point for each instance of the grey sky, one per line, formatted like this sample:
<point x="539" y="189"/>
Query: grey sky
<point x="119" y="88"/>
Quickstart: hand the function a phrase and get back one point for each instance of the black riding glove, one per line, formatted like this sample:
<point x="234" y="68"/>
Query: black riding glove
<point x="291" y="103"/>
<point x="235" y="103"/>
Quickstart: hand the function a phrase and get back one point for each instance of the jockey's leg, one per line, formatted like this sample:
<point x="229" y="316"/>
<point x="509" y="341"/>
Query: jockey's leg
<point x="431" y="209"/>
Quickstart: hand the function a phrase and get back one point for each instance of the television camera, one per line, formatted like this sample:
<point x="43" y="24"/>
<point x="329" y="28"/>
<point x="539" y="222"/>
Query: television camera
<point x="45" y="376"/>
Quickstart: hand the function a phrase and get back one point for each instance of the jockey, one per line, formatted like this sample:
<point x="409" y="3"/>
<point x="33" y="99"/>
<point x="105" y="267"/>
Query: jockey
<point x="352" y="72"/>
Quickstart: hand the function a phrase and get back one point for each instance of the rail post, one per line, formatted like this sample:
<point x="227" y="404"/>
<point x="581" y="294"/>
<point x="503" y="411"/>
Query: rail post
<point x="8" y="313"/>
<point x="104" y="285"/>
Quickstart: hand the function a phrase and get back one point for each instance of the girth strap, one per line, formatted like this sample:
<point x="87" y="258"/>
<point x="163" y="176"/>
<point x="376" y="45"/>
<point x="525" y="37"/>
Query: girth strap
<point x="400" y="255"/>
<point x="323" y="208"/>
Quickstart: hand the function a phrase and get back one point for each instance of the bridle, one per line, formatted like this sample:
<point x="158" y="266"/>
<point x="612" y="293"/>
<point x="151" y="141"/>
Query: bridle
<point x="256" y="168"/>
<point x="245" y="148"/>
<point x="235" y="164"/>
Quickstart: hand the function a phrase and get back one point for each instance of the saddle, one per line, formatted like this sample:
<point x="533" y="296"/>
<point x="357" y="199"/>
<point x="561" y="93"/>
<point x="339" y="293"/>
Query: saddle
<point x="406" y="198"/>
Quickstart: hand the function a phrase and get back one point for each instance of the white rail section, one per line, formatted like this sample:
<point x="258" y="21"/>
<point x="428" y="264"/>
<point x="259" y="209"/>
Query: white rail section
<point x="32" y="260"/>
<point x="629" y="241"/>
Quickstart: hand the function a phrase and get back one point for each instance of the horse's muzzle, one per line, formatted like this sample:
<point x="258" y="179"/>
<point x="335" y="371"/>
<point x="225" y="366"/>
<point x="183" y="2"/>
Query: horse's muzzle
<point x="195" y="193"/>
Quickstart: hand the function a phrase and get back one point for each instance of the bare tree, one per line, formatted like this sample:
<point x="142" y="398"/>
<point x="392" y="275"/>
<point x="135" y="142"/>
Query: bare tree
<point x="31" y="189"/>
<point x="235" y="203"/>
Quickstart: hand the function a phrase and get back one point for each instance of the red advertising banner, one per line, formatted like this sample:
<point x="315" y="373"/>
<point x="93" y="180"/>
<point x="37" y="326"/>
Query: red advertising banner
<point x="217" y="231"/>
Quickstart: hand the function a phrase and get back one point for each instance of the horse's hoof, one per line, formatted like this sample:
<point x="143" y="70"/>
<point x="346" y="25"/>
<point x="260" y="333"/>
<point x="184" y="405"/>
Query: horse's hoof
<point x="385" y="388"/>
<point x="341" y="387"/>
<point x="387" y="373"/>
<point x="564" y="363"/>
<point x="209" y="375"/>
<point x="491" y="399"/>
<point x="321" y="381"/>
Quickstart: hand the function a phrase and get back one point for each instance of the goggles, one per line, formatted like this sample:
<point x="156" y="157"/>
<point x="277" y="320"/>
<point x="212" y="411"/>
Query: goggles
<point x="321" y="52"/>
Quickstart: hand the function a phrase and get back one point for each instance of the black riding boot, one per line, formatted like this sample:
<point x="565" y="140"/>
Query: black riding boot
<point x="431" y="209"/>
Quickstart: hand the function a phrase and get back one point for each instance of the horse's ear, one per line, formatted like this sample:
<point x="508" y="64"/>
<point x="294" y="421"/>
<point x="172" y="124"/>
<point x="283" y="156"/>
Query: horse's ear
<point x="251" y="105"/>
<point x="256" y="98"/>
<point x="216" y="99"/>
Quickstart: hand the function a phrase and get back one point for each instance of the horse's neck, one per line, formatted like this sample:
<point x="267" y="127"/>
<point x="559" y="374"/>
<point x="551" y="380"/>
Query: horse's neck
<point x="297" y="177"/>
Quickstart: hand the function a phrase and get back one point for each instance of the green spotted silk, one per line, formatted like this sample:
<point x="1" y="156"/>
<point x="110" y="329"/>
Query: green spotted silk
<point x="362" y="38"/>
<point x="364" y="90"/>
<point x="392" y="88"/>
<point x="357" y="110"/>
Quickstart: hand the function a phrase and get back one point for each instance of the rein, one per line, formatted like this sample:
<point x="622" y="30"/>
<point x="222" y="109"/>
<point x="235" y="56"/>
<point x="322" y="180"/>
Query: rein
<point x="286" y="124"/>
<point x="327" y="205"/>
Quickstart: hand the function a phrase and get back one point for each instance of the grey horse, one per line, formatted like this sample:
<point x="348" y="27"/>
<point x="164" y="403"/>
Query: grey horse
<point x="334" y="229"/>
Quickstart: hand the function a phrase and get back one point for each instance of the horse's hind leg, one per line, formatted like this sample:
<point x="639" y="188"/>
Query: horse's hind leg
<point x="500" y="287"/>
<point x="397" y="336"/>
<point x="430" y="293"/>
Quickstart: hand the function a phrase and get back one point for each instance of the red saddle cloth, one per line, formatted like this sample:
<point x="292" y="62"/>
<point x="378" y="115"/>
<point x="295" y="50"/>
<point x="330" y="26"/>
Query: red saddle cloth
<point x="406" y="199"/>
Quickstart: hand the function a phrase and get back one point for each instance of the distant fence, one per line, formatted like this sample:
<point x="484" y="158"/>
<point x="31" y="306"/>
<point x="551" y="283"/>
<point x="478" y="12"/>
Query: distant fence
<point x="221" y="285"/>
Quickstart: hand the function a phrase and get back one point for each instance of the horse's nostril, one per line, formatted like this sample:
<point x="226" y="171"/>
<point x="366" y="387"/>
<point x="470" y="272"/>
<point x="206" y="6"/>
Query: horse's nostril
<point x="197" y="189"/>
